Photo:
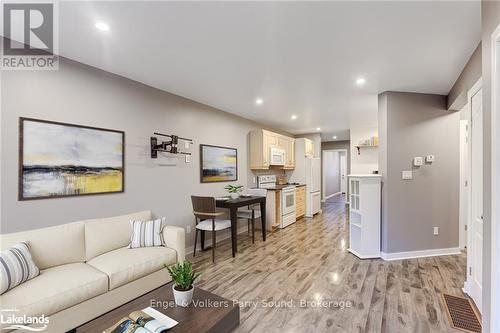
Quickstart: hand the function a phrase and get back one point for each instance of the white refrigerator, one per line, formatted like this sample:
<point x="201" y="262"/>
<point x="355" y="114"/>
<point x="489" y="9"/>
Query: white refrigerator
<point x="313" y="186"/>
<point x="308" y="171"/>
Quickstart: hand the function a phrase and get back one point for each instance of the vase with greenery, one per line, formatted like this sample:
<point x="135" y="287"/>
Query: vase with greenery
<point x="234" y="190"/>
<point x="183" y="276"/>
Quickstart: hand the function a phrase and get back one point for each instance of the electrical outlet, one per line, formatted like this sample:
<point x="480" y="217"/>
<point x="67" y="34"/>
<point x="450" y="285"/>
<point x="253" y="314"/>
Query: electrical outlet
<point x="436" y="231"/>
<point x="188" y="158"/>
<point x="188" y="229"/>
<point x="407" y="175"/>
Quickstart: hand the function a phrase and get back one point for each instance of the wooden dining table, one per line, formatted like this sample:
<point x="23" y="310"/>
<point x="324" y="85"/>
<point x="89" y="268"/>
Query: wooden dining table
<point x="233" y="205"/>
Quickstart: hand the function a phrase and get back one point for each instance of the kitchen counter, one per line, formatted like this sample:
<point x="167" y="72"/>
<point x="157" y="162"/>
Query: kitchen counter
<point x="280" y="187"/>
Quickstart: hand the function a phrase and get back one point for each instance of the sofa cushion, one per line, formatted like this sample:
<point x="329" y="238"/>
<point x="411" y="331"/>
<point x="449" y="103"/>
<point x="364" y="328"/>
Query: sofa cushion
<point x="147" y="233"/>
<point x="108" y="234"/>
<point x="125" y="265"/>
<point x="55" y="289"/>
<point x="16" y="267"/>
<point x="53" y="246"/>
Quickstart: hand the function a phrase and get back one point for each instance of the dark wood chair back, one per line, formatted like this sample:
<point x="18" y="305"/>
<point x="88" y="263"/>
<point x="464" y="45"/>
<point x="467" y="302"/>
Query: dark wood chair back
<point x="204" y="207"/>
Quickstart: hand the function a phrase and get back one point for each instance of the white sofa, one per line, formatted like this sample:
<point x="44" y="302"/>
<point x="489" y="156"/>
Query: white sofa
<point x="87" y="269"/>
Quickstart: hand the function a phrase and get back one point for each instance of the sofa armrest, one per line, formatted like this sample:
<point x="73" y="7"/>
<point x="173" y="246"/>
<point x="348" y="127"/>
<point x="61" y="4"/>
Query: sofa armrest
<point x="175" y="238"/>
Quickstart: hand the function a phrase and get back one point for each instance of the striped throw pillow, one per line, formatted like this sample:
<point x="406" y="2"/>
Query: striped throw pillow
<point x="16" y="267"/>
<point x="147" y="233"/>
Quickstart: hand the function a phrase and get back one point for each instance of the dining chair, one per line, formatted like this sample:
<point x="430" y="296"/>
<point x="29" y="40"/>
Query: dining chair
<point x="253" y="212"/>
<point x="206" y="220"/>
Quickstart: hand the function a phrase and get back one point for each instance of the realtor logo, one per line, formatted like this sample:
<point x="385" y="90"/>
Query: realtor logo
<point x="29" y="36"/>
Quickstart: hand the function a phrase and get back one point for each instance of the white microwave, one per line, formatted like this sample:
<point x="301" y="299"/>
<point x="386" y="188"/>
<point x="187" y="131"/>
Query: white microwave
<point x="277" y="156"/>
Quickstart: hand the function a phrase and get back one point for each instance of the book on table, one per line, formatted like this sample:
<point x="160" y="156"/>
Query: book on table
<point x="147" y="320"/>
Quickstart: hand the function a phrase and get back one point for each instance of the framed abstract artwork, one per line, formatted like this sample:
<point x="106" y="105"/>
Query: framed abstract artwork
<point x="218" y="164"/>
<point x="63" y="160"/>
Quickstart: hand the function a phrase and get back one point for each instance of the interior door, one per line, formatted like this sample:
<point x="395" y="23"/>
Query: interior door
<point x="343" y="176"/>
<point x="475" y="269"/>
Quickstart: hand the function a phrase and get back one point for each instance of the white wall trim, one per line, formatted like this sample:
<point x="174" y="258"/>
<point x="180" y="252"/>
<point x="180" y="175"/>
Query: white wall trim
<point x="420" y="254"/>
<point x="331" y="196"/>
<point x="495" y="187"/>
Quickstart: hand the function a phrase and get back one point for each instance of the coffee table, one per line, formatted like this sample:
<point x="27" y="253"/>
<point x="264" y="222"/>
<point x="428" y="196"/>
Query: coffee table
<point x="207" y="313"/>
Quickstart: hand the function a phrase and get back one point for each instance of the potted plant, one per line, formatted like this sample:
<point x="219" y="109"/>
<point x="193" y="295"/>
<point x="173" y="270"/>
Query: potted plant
<point x="183" y="276"/>
<point x="234" y="190"/>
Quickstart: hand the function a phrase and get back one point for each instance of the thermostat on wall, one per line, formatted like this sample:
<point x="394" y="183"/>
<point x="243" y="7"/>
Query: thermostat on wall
<point x="418" y="161"/>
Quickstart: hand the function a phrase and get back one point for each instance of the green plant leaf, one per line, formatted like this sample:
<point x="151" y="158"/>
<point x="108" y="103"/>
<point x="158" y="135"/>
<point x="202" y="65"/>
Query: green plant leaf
<point x="182" y="274"/>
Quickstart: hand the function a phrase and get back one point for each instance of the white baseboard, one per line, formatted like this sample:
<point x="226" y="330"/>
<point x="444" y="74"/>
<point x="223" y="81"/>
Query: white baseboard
<point x="208" y="239"/>
<point x="420" y="254"/>
<point x="331" y="195"/>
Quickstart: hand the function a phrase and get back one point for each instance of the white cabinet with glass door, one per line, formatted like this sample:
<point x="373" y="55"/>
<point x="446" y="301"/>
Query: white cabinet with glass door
<point x="364" y="215"/>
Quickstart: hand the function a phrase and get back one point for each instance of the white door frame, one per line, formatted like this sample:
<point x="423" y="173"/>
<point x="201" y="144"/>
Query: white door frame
<point x="470" y="232"/>
<point x="465" y="163"/>
<point x="343" y="181"/>
<point x="323" y="168"/>
<point x="495" y="182"/>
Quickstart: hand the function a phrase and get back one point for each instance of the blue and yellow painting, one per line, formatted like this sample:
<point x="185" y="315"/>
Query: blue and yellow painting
<point x="218" y="164"/>
<point x="67" y="160"/>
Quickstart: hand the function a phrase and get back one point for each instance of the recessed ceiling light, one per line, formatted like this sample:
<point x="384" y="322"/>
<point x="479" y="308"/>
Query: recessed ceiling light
<point x="318" y="128"/>
<point x="259" y="101"/>
<point x="360" y="81"/>
<point x="294" y="117"/>
<point x="102" y="26"/>
<point x="334" y="137"/>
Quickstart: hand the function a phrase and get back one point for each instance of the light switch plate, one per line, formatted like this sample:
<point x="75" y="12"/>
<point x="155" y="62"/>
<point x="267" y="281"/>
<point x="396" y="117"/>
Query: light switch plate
<point x="436" y="231"/>
<point x="407" y="175"/>
<point x="429" y="158"/>
<point x="186" y="144"/>
<point x="418" y="161"/>
<point x="188" y="158"/>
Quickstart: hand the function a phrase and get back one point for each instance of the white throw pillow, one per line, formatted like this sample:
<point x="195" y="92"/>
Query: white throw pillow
<point x="147" y="233"/>
<point x="16" y="267"/>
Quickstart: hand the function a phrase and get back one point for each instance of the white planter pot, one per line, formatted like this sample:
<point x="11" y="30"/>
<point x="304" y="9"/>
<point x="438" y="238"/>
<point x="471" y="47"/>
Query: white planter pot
<point x="234" y="195"/>
<point x="183" y="298"/>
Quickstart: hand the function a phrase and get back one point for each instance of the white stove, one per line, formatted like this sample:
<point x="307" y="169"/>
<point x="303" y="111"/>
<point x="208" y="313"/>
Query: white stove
<point x="287" y="202"/>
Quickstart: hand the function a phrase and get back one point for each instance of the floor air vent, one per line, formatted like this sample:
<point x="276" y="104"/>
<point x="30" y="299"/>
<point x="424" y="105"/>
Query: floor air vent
<point x="462" y="314"/>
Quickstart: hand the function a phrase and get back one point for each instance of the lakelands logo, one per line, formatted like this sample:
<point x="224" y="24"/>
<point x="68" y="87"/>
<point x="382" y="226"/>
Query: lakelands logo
<point x="11" y="319"/>
<point x="29" y="31"/>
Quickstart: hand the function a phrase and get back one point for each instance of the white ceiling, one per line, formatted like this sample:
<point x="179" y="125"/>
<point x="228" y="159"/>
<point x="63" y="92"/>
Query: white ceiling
<point x="301" y="58"/>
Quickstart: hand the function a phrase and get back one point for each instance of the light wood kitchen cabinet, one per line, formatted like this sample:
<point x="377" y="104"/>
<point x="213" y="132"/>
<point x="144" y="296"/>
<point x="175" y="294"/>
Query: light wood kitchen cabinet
<point x="300" y="201"/>
<point x="261" y="141"/>
<point x="309" y="148"/>
<point x="290" y="154"/>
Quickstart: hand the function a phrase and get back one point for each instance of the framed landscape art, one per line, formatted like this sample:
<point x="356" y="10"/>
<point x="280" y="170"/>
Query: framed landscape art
<point x="218" y="164"/>
<point x="62" y="160"/>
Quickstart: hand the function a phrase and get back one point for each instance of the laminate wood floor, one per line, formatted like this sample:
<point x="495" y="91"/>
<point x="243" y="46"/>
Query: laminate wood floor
<point x="303" y="279"/>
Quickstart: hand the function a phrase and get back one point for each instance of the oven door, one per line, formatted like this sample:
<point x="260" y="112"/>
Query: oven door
<point x="288" y="201"/>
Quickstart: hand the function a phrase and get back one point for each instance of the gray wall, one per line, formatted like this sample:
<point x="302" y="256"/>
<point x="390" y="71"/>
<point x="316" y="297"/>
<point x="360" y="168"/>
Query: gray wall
<point x="490" y="18"/>
<point x="84" y="95"/>
<point x="331" y="172"/>
<point x="418" y="125"/>
<point x="457" y="97"/>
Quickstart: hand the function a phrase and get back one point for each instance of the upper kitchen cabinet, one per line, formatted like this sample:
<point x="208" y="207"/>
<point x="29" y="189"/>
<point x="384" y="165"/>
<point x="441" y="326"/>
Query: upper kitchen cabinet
<point x="290" y="154"/>
<point x="271" y="149"/>
<point x="309" y="148"/>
